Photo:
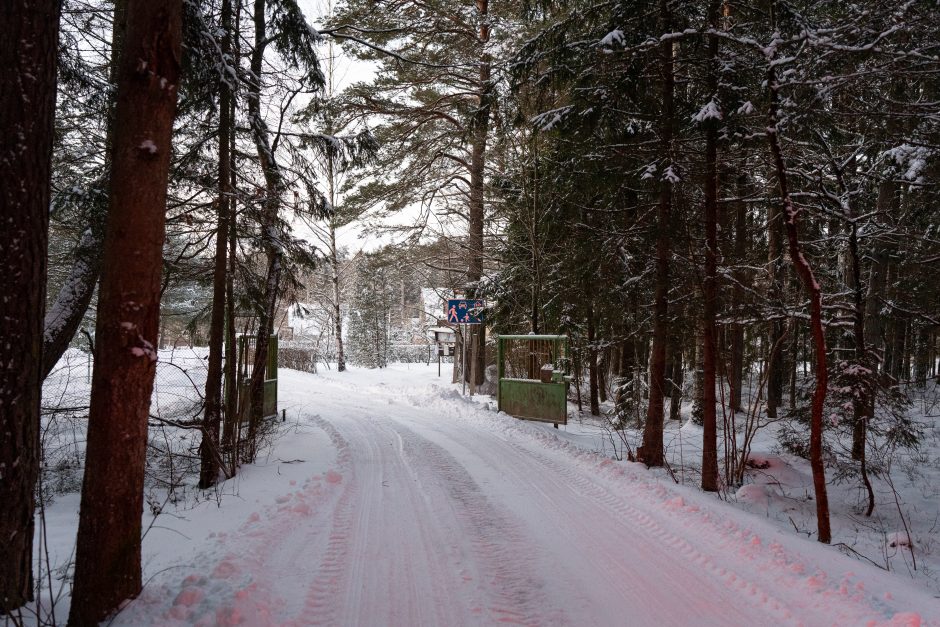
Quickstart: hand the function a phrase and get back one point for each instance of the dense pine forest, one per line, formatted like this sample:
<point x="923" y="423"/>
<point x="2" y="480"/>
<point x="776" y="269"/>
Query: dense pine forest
<point x="730" y="210"/>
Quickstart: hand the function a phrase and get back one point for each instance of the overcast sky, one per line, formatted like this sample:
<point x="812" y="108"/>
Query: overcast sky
<point x="348" y="70"/>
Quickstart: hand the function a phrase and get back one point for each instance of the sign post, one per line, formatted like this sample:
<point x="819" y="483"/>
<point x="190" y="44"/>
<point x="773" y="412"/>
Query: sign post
<point x="464" y="312"/>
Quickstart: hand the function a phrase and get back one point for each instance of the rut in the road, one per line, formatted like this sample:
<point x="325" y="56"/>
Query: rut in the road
<point x="320" y="607"/>
<point x="517" y="594"/>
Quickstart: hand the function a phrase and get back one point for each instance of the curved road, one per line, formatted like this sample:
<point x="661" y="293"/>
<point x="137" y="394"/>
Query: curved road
<point x="435" y="511"/>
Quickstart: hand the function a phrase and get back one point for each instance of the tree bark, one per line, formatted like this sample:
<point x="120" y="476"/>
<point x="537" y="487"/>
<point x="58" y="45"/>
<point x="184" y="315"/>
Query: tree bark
<point x="107" y="561"/>
<point x="232" y="409"/>
<point x="794" y="361"/>
<point x="68" y="309"/>
<point x="274" y="183"/>
<point x="710" y="284"/>
<point x="675" y="381"/>
<point x="737" y="297"/>
<point x="775" y="325"/>
<point x="209" y="449"/>
<point x="861" y="401"/>
<point x="805" y="272"/>
<point x="28" y="50"/>
<point x="334" y="278"/>
<point x="698" y="374"/>
<point x="480" y="130"/>
<point x="652" y="449"/>
<point x="592" y="362"/>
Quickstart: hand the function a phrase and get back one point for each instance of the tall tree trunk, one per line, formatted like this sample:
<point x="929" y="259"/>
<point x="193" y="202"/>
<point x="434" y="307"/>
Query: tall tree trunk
<point x="698" y="374"/>
<point x="274" y="183"/>
<point x="775" y="329"/>
<point x="794" y="361"/>
<point x="592" y="362"/>
<point x="805" y="272"/>
<point x="28" y="50"/>
<point x="652" y="449"/>
<point x="337" y="305"/>
<point x="232" y="409"/>
<point x="68" y="309"/>
<point x="674" y="344"/>
<point x="877" y="282"/>
<point x="676" y="376"/>
<point x="861" y="405"/>
<point x="710" y="284"/>
<point x="737" y="297"/>
<point x="107" y="559"/>
<point x="922" y="359"/>
<point x="334" y="277"/>
<point x="480" y="130"/>
<point x="212" y="416"/>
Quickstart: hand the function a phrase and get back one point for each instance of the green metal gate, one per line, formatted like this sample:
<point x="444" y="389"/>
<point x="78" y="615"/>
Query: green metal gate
<point x="532" y="383"/>
<point x="245" y="367"/>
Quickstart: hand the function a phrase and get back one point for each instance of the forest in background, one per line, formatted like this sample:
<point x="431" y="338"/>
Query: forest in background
<point x="733" y="202"/>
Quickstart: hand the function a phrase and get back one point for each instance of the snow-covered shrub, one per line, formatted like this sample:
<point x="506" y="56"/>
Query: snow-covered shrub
<point x="303" y="359"/>
<point x="890" y="428"/>
<point x="626" y="406"/>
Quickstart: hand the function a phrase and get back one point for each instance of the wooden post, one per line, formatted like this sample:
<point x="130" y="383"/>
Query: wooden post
<point x="463" y="360"/>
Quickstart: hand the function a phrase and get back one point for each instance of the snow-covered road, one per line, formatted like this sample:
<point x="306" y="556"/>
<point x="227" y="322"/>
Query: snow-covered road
<point x="397" y="502"/>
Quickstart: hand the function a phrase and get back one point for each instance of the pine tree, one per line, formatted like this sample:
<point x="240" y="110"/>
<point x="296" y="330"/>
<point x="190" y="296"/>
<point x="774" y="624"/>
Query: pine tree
<point x="27" y="75"/>
<point x="107" y="560"/>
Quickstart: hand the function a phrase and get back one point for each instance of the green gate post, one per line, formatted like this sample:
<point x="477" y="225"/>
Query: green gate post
<point x="500" y="371"/>
<point x="270" y="378"/>
<point x="243" y="376"/>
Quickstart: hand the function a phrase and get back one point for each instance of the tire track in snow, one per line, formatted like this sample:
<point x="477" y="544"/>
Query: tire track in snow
<point x="722" y="559"/>
<point x="472" y="557"/>
<point x="613" y="551"/>
<point x="634" y="519"/>
<point x="515" y="593"/>
<point x="566" y="479"/>
<point x="720" y="553"/>
<point x="325" y="588"/>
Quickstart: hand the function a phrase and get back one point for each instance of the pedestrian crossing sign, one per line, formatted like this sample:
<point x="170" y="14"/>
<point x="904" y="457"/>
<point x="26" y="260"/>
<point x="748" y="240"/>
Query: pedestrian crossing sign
<point x="465" y="311"/>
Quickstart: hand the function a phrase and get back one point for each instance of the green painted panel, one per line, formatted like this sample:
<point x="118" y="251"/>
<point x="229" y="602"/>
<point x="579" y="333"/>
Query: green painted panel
<point x="269" y="405"/>
<point x="271" y="372"/>
<point x="534" y="400"/>
<point x="270" y="397"/>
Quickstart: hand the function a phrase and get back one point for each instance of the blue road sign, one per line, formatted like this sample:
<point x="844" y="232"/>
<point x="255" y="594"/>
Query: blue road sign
<point x="464" y="311"/>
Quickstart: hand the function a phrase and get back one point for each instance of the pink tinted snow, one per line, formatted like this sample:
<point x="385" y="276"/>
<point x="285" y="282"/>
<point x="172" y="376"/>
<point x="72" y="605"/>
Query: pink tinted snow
<point x="497" y="521"/>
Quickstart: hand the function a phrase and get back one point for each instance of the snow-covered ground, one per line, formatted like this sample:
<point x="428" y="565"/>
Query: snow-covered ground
<point x="389" y="499"/>
<point x="903" y="533"/>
